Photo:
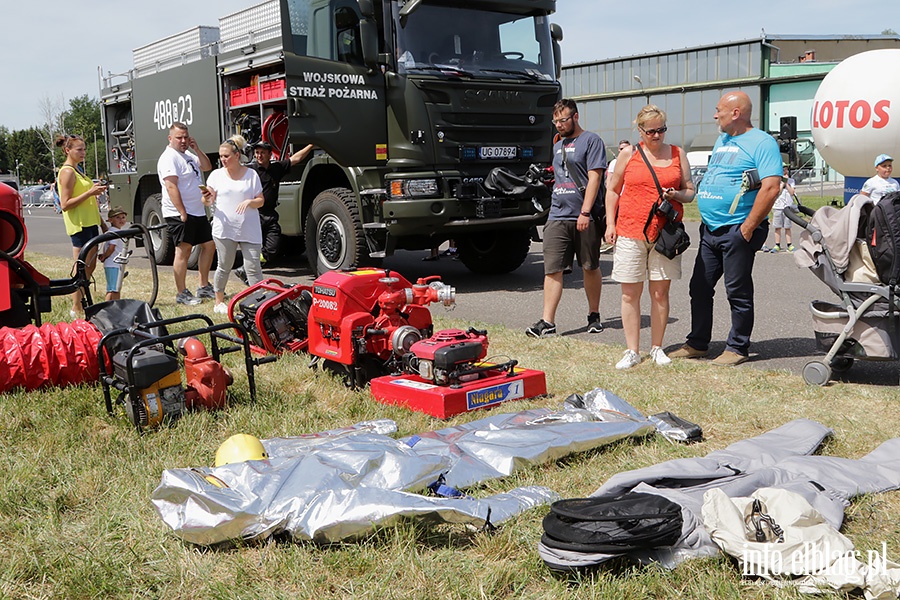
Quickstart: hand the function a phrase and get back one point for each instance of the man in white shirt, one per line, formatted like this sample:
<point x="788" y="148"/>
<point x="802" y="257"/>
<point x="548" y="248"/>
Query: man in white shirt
<point x="623" y="145"/>
<point x="184" y="210"/>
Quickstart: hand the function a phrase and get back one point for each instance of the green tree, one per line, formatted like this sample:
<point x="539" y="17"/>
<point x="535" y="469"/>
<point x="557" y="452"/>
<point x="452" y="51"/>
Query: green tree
<point x="888" y="32"/>
<point x="5" y="165"/>
<point x="28" y="147"/>
<point x="83" y="118"/>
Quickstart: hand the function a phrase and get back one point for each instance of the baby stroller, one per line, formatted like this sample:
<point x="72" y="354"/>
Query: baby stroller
<point x="865" y="324"/>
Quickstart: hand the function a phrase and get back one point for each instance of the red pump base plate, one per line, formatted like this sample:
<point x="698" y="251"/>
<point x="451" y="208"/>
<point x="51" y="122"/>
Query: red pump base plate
<point x="444" y="401"/>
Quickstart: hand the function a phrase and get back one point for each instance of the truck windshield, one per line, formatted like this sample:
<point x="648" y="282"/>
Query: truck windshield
<point x="468" y="42"/>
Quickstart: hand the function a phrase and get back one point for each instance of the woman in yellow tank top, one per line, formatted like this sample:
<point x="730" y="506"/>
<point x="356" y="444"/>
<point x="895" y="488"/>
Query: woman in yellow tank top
<point x="78" y="200"/>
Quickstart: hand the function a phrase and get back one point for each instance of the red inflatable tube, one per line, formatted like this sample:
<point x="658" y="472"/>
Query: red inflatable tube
<point x="58" y="354"/>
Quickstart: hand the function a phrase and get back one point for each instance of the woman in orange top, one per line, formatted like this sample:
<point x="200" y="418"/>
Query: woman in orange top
<point x="629" y="200"/>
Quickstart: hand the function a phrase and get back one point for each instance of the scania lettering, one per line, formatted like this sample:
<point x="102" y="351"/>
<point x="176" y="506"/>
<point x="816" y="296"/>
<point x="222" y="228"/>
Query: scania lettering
<point x="410" y="104"/>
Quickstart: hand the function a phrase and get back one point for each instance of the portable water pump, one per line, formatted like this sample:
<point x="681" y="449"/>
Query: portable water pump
<point x="146" y="370"/>
<point x="274" y="314"/>
<point x="372" y="326"/>
<point x="363" y="322"/>
<point x="449" y="356"/>
<point x="450" y="373"/>
<point x="356" y="323"/>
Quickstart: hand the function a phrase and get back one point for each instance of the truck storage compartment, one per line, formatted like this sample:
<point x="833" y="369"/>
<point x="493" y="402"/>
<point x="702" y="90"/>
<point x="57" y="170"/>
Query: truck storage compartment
<point x="182" y="48"/>
<point x="250" y="26"/>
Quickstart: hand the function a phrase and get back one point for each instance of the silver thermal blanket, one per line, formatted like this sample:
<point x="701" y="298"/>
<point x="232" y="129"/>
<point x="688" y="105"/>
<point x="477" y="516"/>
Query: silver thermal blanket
<point x="338" y="485"/>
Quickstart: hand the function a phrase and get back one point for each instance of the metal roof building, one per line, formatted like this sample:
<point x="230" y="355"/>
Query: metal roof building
<point x="780" y="73"/>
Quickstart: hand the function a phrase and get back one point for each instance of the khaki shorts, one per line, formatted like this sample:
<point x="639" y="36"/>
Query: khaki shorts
<point x="635" y="261"/>
<point x="563" y="242"/>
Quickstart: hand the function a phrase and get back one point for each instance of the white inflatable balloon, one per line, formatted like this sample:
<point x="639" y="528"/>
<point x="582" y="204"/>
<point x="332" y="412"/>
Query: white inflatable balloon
<point x="856" y="112"/>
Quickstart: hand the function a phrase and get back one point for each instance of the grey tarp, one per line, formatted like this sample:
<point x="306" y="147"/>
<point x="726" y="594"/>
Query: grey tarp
<point x="341" y="484"/>
<point x="780" y="458"/>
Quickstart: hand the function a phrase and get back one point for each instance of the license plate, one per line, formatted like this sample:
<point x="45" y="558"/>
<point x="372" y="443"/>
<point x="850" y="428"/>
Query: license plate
<point x="497" y="152"/>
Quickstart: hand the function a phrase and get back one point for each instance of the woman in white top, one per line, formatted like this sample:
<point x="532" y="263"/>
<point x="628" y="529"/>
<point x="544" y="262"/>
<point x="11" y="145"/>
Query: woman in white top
<point x="236" y="193"/>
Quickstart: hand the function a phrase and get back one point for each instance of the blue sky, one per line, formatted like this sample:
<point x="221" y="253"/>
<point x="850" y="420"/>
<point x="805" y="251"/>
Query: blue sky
<point x="52" y="49"/>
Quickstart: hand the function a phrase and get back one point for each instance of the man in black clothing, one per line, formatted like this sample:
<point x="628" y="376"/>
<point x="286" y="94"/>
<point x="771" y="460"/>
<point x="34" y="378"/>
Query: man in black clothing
<point x="270" y="174"/>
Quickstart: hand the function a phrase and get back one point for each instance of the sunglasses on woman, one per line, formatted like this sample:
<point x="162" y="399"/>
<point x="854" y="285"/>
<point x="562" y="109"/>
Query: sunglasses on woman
<point x="660" y="131"/>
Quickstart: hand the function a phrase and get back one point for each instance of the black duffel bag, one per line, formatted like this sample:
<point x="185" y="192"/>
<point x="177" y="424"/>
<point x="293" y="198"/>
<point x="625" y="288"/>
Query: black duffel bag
<point x="617" y="525"/>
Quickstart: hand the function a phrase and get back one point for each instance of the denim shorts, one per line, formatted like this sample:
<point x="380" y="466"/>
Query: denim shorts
<point x="84" y="236"/>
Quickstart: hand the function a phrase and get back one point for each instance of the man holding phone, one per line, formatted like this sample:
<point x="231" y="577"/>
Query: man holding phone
<point x="183" y="208"/>
<point x="735" y="197"/>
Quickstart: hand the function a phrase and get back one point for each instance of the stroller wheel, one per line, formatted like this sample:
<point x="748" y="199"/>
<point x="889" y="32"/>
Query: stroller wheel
<point x="841" y="364"/>
<point x="816" y="373"/>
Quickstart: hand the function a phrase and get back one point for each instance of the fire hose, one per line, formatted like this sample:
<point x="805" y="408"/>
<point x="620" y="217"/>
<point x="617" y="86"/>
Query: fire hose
<point x="52" y="354"/>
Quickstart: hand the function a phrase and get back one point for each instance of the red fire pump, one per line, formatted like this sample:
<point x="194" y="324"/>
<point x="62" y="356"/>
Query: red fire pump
<point x="447" y="374"/>
<point x="373" y="326"/>
<point x="361" y="323"/>
<point x="274" y="315"/>
<point x="356" y="323"/>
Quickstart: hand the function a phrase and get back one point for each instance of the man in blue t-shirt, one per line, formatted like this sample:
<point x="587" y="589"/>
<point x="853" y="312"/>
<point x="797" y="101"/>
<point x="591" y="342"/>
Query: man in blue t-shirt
<point x="574" y="226"/>
<point x="740" y="186"/>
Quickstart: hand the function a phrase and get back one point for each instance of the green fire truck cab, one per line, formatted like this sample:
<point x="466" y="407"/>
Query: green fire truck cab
<point x="410" y="105"/>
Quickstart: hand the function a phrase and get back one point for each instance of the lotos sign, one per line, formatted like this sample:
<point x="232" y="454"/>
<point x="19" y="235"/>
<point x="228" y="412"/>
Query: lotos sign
<point x="858" y="115"/>
<point x="856" y="112"/>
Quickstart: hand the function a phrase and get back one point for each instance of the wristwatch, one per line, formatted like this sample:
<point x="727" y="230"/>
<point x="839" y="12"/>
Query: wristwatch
<point x="585" y="214"/>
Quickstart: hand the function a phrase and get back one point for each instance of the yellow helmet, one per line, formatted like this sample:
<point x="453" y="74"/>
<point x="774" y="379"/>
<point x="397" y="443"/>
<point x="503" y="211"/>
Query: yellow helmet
<point x="240" y="448"/>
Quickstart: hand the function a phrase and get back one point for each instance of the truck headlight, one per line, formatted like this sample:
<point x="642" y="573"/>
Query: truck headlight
<point x="414" y="188"/>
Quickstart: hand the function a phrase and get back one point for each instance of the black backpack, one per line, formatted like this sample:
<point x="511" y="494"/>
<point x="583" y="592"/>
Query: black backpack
<point x="616" y="525"/>
<point x="883" y="238"/>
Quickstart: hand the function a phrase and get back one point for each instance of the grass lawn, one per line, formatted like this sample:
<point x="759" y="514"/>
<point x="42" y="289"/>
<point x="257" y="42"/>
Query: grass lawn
<point x="691" y="213"/>
<point x="76" y="520"/>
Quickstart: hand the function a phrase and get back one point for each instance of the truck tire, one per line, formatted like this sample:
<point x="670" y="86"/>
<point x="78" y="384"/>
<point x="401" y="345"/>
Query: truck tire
<point x="492" y="253"/>
<point x="151" y="216"/>
<point x="334" y="232"/>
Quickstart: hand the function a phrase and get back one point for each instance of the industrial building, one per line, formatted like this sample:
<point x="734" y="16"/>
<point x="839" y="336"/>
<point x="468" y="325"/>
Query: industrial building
<point x="780" y="73"/>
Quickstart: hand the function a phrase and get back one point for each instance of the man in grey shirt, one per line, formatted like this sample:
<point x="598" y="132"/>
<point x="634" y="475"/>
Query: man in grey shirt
<point x="574" y="226"/>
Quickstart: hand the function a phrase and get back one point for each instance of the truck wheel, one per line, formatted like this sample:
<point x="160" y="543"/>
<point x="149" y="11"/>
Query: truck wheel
<point x="194" y="258"/>
<point x="151" y="216"/>
<point x="491" y="253"/>
<point x="334" y="232"/>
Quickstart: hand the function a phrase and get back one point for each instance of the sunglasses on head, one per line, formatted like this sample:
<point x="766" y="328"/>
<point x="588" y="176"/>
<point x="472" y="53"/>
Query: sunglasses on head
<point x="660" y="130"/>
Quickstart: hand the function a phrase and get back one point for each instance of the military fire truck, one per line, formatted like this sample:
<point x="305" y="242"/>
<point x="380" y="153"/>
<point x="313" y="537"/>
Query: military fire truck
<point x="410" y="104"/>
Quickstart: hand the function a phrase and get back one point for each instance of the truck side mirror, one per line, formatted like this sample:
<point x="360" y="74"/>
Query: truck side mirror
<point x="556" y="34"/>
<point x="368" y="37"/>
<point x="367" y="8"/>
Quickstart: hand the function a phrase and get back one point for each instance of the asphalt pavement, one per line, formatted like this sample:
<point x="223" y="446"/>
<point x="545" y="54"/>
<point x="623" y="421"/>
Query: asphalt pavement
<point x="782" y="339"/>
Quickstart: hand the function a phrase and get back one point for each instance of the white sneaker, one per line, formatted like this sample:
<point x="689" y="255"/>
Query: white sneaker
<point x="630" y="359"/>
<point x="221" y="308"/>
<point x="658" y="355"/>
